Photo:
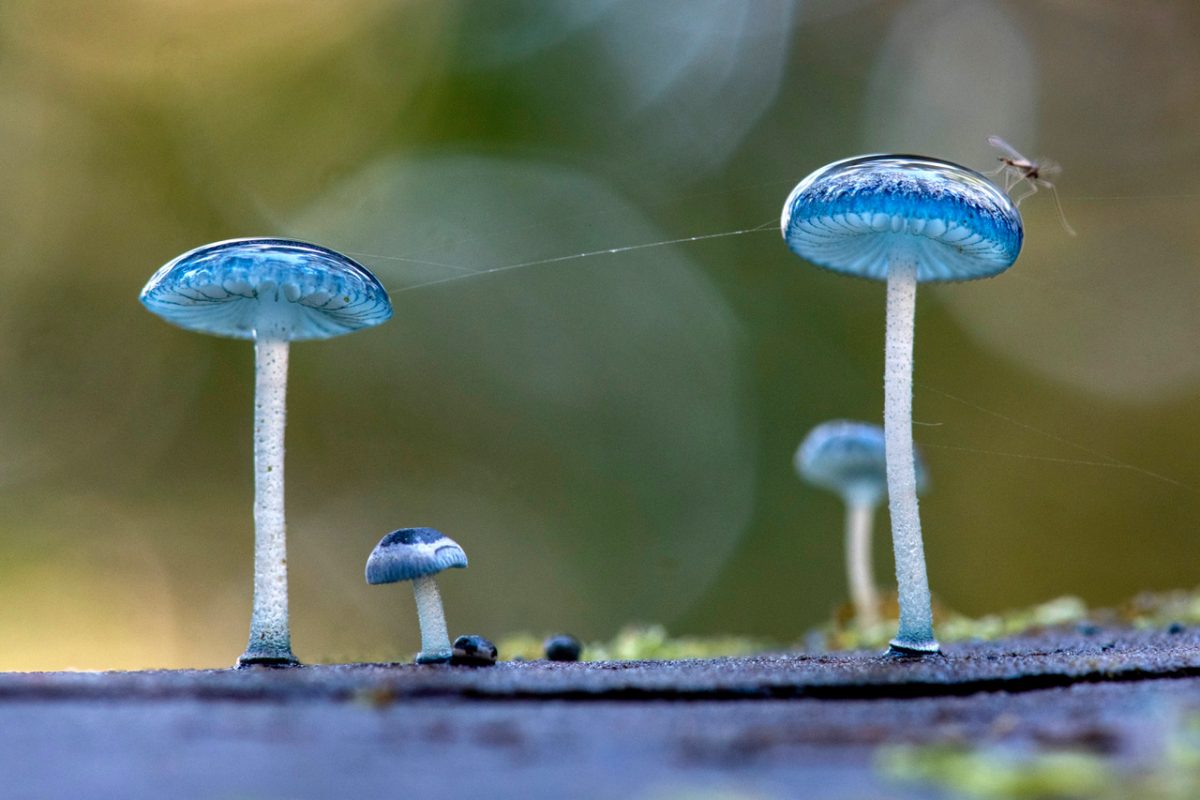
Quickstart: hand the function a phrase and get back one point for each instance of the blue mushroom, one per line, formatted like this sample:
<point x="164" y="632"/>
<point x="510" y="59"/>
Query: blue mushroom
<point x="903" y="219"/>
<point x="847" y="458"/>
<point x="417" y="555"/>
<point x="272" y="291"/>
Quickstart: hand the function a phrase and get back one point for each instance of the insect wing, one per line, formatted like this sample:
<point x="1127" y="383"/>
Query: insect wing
<point x="1048" y="167"/>
<point x="1007" y="149"/>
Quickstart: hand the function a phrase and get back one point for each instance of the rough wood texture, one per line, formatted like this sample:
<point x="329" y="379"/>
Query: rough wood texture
<point x="762" y="726"/>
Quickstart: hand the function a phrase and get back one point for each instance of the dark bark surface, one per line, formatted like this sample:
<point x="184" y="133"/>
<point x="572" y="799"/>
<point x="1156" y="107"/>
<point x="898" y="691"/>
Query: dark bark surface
<point x="759" y="727"/>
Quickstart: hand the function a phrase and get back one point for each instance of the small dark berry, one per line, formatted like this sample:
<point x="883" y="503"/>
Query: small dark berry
<point x="562" y="647"/>
<point x="473" y="651"/>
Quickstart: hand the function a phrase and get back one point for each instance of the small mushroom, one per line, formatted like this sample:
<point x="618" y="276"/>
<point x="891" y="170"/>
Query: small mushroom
<point x="417" y="554"/>
<point x="903" y="219"/>
<point x="847" y="458"/>
<point x="273" y="292"/>
<point x="473" y="650"/>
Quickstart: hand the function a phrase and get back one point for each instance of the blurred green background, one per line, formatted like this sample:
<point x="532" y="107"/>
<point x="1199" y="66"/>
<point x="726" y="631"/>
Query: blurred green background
<point x="609" y="437"/>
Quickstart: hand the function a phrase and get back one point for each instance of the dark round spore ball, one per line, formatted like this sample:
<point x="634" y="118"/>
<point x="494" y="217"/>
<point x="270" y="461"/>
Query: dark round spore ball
<point x="1087" y="628"/>
<point x="473" y="651"/>
<point x="562" y="647"/>
<point x="1176" y="627"/>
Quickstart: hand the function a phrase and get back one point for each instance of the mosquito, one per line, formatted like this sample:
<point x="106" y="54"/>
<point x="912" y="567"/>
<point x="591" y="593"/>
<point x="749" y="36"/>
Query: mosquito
<point x="1016" y="170"/>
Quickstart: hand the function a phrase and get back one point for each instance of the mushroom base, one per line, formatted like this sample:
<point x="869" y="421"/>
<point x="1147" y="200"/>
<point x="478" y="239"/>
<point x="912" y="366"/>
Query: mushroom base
<point x="900" y="649"/>
<point x="265" y="657"/>
<point x="436" y="657"/>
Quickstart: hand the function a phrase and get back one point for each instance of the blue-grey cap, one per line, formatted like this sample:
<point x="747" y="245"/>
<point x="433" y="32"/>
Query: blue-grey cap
<point x="848" y="458"/>
<point x="849" y="216"/>
<point x="411" y="553"/>
<point x="237" y="287"/>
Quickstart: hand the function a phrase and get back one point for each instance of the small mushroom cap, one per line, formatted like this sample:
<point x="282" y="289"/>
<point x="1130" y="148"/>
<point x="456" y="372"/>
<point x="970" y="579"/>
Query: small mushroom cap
<point x="239" y="287"/>
<point x="849" y="216"/>
<point x="848" y="458"/>
<point x="411" y="553"/>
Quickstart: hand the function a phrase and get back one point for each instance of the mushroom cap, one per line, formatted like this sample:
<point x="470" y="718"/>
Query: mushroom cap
<point x="847" y="457"/>
<point x="412" y="553"/>
<point x="849" y="216"/>
<point x="238" y="287"/>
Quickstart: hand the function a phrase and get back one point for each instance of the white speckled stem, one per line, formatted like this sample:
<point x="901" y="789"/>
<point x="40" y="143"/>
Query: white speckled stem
<point x="859" y="570"/>
<point x="916" y="613"/>
<point x="270" y="639"/>
<point x="435" y="641"/>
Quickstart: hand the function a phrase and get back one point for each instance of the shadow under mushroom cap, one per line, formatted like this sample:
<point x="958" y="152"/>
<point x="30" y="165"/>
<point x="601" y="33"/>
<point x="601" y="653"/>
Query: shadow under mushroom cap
<point x="229" y="288"/>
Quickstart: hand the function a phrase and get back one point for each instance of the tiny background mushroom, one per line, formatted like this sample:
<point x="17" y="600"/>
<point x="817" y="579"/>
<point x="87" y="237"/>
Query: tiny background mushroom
<point x="847" y="458"/>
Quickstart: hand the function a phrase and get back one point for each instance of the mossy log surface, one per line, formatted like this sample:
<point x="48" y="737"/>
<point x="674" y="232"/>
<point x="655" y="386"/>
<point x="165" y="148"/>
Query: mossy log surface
<point x="757" y="726"/>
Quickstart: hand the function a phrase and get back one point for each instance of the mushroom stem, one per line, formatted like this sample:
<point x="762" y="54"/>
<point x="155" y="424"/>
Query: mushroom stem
<point x="270" y="640"/>
<point x="859" y="572"/>
<point x="435" y="642"/>
<point x="915" y="635"/>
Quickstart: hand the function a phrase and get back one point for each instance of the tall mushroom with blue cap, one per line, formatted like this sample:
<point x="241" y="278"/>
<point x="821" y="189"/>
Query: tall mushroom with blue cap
<point x="417" y="554"/>
<point x="847" y="458"/>
<point x="903" y="219"/>
<point x="274" y="292"/>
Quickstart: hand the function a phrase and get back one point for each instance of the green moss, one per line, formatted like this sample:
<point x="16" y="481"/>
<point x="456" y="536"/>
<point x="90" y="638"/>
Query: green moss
<point x="639" y="643"/>
<point x="643" y="642"/>
<point x="997" y="773"/>
<point x="1007" y="772"/>
<point x="1156" y="609"/>
<point x="844" y="634"/>
<point x="519" y="647"/>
